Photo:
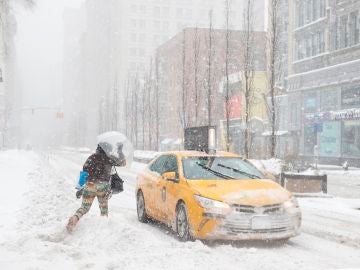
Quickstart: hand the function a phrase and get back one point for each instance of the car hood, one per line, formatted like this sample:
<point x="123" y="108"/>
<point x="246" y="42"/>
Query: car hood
<point x="246" y="192"/>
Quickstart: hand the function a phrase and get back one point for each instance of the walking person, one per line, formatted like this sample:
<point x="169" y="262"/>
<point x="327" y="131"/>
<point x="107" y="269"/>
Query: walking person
<point x="98" y="166"/>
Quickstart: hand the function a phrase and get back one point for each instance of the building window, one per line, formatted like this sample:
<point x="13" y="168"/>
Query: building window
<point x="329" y="100"/>
<point x="300" y="11"/>
<point x="142" y="24"/>
<point x="133" y="23"/>
<point x="133" y="37"/>
<point x="310" y="103"/>
<point x="294" y="115"/>
<point x="156" y="12"/>
<point x="309" y="11"/>
<point x="347" y="31"/>
<point x="354" y="28"/>
<point x="350" y="98"/>
<point x="322" y="8"/>
<point x="166" y="12"/>
<point x="142" y="9"/>
<point x="315" y="10"/>
<point x="179" y="13"/>
<point x="141" y="52"/>
<point x="321" y="42"/>
<point x="157" y="25"/>
<point x="166" y="26"/>
<point x="134" y="8"/>
<point x="351" y="139"/>
<point x="329" y="139"/>
<point x="310" y="139"/>
<point x="343" y="32"/>
<point x="310" y="46"/>
<point x="133" y="51"/>
<point x="314" y="45"/>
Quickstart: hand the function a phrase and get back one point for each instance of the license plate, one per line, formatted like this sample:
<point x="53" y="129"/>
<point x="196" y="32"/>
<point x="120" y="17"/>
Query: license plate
<point x="260" y="223"/>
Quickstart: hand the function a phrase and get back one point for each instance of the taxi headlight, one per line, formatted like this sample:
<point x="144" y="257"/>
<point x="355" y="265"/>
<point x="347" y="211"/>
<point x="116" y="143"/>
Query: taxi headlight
<point x="291" y="204"/>
<point x="212" y="206"/>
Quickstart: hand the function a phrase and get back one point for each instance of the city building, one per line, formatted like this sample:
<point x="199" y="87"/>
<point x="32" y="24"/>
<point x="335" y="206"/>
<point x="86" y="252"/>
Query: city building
<point x="119" y="42"/>
<point x="192" y="77"/>
<point x="324" y="79"/>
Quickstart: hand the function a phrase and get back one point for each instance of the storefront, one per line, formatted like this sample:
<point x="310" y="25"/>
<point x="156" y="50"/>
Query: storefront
<point x="332" y="122"/>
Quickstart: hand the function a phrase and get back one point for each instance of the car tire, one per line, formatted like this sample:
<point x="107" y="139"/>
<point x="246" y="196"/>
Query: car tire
<point x="140" y="207"/>
<point x="182" y="223"/>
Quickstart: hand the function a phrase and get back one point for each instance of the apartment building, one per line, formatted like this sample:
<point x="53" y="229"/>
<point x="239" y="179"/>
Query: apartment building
<point x="324" y="78"/>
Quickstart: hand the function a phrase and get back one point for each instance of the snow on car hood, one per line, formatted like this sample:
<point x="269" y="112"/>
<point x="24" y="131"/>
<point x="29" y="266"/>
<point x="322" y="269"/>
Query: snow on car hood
<point x="247" y="192"/>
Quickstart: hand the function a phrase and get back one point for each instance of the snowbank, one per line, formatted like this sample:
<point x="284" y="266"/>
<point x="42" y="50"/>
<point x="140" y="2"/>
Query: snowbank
<point x="272" y="166"/>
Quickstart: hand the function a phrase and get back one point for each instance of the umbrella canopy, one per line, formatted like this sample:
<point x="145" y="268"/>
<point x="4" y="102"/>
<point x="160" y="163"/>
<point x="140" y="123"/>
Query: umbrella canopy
<point x="113" y="143"/>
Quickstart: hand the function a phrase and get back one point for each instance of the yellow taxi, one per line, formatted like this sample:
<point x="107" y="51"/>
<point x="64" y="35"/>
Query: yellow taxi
<point x="217" y="196"/>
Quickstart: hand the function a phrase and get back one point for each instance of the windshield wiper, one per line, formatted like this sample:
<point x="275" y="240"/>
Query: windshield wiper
<point x="219" y="174"/>
<point x="252" y="176"/>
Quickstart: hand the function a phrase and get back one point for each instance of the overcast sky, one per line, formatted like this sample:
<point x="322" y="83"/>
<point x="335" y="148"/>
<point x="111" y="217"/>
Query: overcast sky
<point x="39" y="44"/>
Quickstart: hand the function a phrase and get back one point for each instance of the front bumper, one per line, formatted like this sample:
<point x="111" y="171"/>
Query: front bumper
<point x="243" y="226"/>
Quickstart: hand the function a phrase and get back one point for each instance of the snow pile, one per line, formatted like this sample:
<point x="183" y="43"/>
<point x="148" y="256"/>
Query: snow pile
<point x="333" y="218"/>
<point x="272" y="166"/>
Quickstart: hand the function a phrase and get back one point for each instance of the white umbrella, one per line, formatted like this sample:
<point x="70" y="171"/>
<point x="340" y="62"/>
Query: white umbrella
<point x="110" y="142"/>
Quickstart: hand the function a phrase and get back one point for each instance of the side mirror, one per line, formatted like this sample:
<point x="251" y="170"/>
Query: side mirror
<point x="170" y="176"/>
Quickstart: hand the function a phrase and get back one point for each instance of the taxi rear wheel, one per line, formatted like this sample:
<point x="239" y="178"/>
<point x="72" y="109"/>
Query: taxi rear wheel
<point x="182" y="223"/>
<point x="140" y="207"/>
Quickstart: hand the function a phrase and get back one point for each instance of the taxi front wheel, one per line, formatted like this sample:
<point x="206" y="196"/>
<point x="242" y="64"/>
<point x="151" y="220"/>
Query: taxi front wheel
<point x="140" y="207"/>
<point x="182" y="223"/>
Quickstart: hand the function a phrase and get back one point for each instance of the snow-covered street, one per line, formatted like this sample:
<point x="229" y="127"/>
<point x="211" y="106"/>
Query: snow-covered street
<point x="37" y="196"/>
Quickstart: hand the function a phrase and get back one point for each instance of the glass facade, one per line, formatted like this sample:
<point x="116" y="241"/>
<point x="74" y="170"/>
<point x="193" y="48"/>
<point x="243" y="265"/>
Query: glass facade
<point x="332" y="122"/>
<point x="310" y="103"/>
<point x="329" y="139"/>
<point x="310" y="139"/>
<point x="350" y="97"/>
<point x="329" y="100"/>
<point x="351" y="139"/>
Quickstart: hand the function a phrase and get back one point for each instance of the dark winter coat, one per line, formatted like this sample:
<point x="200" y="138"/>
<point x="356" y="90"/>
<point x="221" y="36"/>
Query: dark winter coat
<point x="99" y="165"/>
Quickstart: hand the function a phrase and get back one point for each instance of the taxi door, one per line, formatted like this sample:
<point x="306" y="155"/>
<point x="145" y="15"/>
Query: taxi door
<point x="166" y="194"/>
<point x="151" y="184"/>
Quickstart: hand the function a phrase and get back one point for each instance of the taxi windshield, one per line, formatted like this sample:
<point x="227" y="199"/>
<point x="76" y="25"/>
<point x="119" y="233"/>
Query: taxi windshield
<point x="214" y="168"/>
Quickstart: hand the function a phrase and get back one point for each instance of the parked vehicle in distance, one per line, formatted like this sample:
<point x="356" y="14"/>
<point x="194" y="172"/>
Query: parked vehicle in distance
<point x="217" y="196"/>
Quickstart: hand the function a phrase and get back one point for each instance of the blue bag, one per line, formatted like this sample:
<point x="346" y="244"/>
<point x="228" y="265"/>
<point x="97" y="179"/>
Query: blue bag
<point x="82" y="179"/>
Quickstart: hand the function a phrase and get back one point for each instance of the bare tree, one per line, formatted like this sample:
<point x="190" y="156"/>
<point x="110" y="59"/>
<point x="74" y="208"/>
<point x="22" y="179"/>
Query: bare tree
<point x="209" y="81"/>
<point x="273" y="66"/>
<point x="115" y="106"/>
<point x="149" y="87"/>
<point x="248" y="71"/>
<point x="127" y="109"/>
<point x="143" y="111"/>
<point x="184" y="91"/>
<point x="7" y="20"/>
<point x="134" y="110"/>
<point x="227" y="82"/>
<point x="101" y="120"/>
<point x="196" y="51"/>
<point x="157" y="98"/>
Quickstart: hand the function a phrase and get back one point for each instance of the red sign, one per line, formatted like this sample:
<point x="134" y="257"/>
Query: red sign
<point x="234" y="107"/>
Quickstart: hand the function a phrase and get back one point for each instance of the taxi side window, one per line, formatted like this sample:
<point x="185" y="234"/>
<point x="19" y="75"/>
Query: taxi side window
<point x="170" y="165"/>
<point x="158" y="164"/>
